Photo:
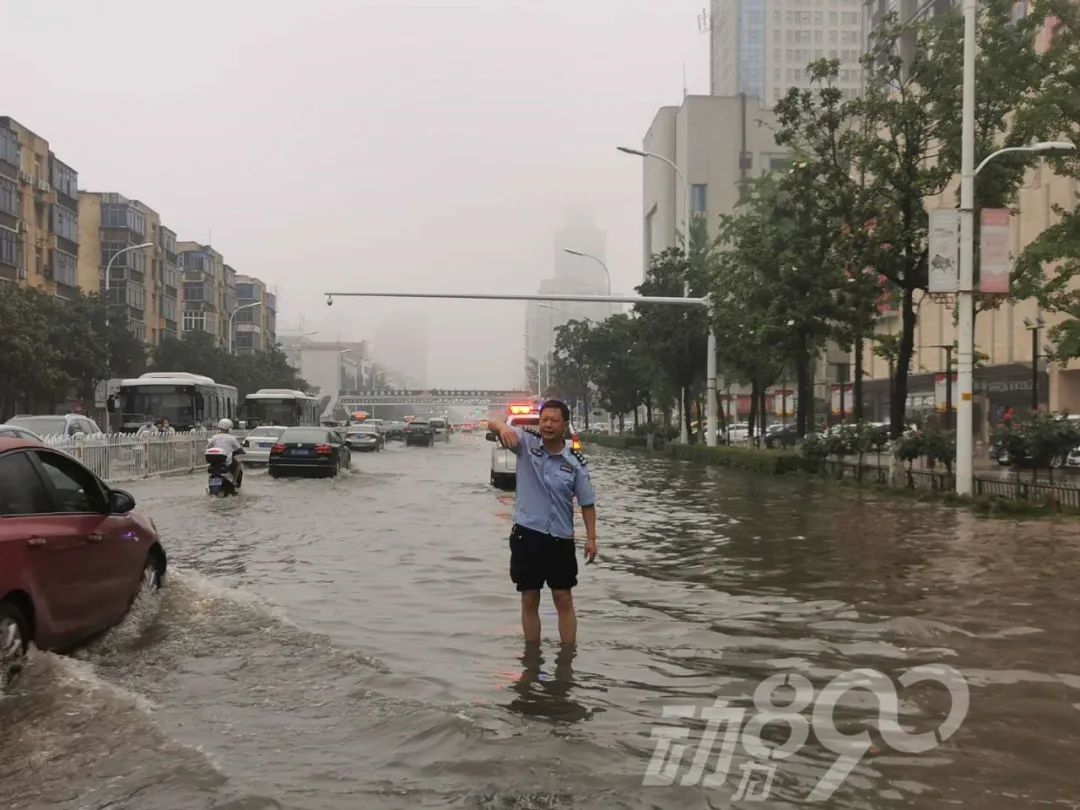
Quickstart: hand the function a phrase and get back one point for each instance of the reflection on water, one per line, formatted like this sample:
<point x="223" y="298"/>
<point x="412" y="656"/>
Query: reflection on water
<point x="548" y="691"/>
<point x="356" y="643"/>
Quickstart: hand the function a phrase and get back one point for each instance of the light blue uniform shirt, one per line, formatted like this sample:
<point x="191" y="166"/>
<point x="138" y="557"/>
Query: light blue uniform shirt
<point x="547" y="485"/>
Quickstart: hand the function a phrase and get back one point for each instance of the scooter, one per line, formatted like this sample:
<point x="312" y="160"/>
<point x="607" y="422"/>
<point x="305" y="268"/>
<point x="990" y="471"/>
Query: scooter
<point x="222" y="481"/>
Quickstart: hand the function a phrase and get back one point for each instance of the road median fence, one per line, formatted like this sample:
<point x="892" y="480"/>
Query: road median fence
<point x="128" y="456"/>
<point x="876" y="470"/>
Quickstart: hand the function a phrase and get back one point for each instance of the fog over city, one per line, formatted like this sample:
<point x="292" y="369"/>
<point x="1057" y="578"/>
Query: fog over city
<point x="377" y="145"/>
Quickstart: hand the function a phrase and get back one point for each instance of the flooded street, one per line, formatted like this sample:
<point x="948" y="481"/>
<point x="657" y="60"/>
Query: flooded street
<point x="355" y="643"/>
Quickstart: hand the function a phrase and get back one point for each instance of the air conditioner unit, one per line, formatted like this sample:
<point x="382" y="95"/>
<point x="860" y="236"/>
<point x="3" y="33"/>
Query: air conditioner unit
<point x="21" y="227"/>
<point x="22" y="272"/>
<point x="25" y="177"/>
<point x="43" y="185"/>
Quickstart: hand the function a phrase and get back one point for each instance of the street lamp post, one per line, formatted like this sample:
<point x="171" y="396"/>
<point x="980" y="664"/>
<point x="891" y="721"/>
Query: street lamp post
<point x="948" y="349"/>
<point x="710" y="368"/>
<point x="108" y="271"/>
<point x="1035" y="328"/>
<point x="232" y="317"/>
<point x="965" y="440"/>
<point x="596" y="259"/>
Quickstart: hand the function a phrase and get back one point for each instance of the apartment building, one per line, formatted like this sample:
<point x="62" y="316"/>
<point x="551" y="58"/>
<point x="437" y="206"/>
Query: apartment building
<point x="143" y="284"/>
<point x="39" y="213"/>
<point x="208" y="296"/>
<point x="762" y="47"/>
<point x="717" y="142"/>
<point x="255" y="321"/>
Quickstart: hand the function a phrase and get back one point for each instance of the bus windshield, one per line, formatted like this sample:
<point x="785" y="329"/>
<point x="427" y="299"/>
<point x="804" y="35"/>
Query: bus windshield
<point x="148" y="403"/>
<point x="272" y="412"/>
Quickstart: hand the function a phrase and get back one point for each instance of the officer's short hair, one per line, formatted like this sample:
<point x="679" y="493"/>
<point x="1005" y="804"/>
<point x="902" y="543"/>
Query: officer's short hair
<point x="557" y="403"/>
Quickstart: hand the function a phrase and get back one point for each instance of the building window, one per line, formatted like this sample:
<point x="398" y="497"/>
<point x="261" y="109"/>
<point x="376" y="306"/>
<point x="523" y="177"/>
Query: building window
<point x="167" y="240"/>
<point x="9" y="147"/>
<point x="10" y="247"/>
<point x="194" y="322"/>
<point x="65" y="268"/>
<point x="65" y="223"/>
<point x="699" y="198"/>
<point x="65" y="179"/>
<point x="245" y="292"/>
<point x="195" y="291"/>
<point x="244" y="340"/>
<point x="168" y="309"/>
<point x="9" y="197"/>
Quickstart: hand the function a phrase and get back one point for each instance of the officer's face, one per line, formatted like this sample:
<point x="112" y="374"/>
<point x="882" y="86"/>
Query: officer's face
<point x="552" y="423"/>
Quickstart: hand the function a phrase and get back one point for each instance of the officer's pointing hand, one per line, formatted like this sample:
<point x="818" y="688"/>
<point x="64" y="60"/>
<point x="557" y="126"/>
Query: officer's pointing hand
<point x="508" y="436"/>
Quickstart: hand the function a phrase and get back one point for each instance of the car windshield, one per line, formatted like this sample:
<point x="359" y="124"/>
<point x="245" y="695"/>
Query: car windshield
<point x="305" y="436"/>
<point x="372" y="429"/>
<point x="266" y="432"/>
<point x="41" y="425"/>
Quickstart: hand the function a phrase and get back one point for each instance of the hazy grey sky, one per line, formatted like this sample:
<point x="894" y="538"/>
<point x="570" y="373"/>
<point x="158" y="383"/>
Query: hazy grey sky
<point x="365" y="144"/>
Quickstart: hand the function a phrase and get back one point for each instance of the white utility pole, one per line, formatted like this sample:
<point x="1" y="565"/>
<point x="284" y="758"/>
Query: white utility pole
<point x="965" y="303"/>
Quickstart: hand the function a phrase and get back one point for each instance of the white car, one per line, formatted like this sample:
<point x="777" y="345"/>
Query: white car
<point x="14" y="432"/>
<point x="364" y="437"/>
<point x="70" y="424"/>
<point x="738" y="432"/>
<point x="257" y="444"/>
<point x="440" y="429"/>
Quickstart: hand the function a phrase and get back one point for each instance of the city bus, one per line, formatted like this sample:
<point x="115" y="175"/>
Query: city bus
<point x="280" y="406"/>
<point x="186" y="400"/>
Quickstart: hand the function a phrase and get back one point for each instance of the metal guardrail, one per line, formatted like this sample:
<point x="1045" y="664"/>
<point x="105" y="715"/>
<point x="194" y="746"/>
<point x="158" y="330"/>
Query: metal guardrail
<point x="127" y="456"/>
<point x="1018" y="489"/>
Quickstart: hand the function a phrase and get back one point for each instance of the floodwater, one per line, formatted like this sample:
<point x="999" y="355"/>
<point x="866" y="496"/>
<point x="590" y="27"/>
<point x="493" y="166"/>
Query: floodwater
<point x="355" y="644"/>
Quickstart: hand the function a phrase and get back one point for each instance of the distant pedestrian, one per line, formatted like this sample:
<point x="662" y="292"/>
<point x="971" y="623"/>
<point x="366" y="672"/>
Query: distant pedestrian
<point x="550" y="475"/>
<point x="1010" y="415"/>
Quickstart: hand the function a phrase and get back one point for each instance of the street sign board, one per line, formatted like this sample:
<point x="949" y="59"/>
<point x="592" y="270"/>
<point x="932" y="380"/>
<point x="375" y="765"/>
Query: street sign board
<point x="944" y="270"/>
<point x="995" y="259"/>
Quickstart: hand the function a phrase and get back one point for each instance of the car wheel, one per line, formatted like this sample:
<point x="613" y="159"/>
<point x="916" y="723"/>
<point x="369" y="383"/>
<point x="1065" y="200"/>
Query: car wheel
<point x="14" y="640"/>
<point x="275" y="474"/>
<point x="152" y="579"/>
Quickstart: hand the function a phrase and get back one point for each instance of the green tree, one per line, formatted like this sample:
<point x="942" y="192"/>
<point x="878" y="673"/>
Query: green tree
<point x="674" y="337"/>
<point x="571" y="367"/>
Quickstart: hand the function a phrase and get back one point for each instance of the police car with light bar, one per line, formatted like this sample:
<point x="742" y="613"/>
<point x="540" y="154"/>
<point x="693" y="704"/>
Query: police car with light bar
<point x="503" y="461"/>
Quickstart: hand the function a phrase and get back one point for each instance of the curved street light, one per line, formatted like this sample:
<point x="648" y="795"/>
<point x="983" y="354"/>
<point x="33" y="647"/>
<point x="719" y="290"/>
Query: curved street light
<point x="108" y="271"/>
<point x="712" y="418"/>
<point x="596" y="259"/>
<point x="1041" y="146"/>
<point x="233" y="315"/>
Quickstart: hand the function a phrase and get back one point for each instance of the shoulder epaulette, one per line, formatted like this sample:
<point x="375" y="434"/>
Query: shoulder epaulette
<point x="532" y="432"/>
<point x="577" y="454"/>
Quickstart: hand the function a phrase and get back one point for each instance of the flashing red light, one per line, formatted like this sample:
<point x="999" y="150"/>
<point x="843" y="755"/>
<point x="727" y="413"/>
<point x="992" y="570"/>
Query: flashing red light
<point x="520" y="409"/>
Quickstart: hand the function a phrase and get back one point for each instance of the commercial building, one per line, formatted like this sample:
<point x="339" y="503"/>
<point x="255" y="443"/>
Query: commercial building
<point x="329" y="367"/>
<point x="209" y="297"/>
<point x="144" y="284"/>
<point x="255" y="321"/>
<point x="575" y="274"/>
<point x="762" y="47"/>
<point x="717" y="142"/>
<point x="39" y="214"/>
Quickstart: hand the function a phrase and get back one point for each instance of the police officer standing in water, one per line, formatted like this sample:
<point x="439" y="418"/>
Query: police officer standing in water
<point x="549" y="476"/>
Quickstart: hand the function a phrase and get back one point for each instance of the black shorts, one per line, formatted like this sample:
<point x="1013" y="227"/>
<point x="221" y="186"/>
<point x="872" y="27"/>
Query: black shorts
<point x="536" y="558"/>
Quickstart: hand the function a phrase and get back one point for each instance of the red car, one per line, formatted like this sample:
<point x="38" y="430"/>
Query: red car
<point x="74" y="553"/>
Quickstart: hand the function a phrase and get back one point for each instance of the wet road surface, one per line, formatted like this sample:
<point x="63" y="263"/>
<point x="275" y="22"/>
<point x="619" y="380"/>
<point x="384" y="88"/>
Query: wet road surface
<point x="354" y="643"/>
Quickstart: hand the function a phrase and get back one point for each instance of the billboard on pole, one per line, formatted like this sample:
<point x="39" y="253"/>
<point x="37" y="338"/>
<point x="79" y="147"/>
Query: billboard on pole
<point x="995" y="254"/>
<point x="944" y="243"/>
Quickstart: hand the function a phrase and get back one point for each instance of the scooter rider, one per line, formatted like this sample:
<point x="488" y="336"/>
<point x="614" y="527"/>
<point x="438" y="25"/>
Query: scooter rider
<point x="224" y="440"/>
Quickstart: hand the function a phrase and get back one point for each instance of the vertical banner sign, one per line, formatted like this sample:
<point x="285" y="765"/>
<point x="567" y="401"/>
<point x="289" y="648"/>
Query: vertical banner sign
<point x="941" y="395"/>
<point x="944" y="242"/>
<point x="995" y="258"/>
<point x="849" y="399"/>
<point x="836" y="400"/>
<point x="784" y="402"/>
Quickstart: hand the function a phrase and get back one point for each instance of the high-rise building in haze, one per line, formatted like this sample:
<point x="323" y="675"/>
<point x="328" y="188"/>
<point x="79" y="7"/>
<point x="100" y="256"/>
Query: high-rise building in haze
<point x="401" y="350"/>
<point x="761" y="48"/>
<point x="580" y="274"/>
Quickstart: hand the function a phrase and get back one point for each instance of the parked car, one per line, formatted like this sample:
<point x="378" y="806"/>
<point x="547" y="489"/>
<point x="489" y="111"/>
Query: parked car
<point x="738" y="432"/>
<point x="74" y="553"/>
<point x="440" y="429"/>
<point x="257" y="444"/>
<point x="65" y="424"/>
<point x="309" y="451"/>
<point x="364" y="437"/>
<point x="781" y="436"/>
<point x="13" y="432"/>
<point x="419" y="433"/>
